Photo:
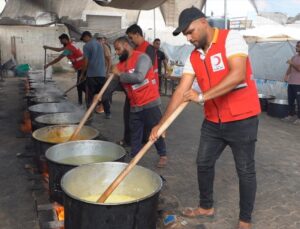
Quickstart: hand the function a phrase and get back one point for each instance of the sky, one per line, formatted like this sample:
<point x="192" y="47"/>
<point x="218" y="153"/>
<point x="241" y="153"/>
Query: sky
<point x="244" y="8"/>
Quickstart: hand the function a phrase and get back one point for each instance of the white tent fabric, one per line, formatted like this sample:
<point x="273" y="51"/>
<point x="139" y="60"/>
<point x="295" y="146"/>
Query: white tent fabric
<point x="269" y="31"/>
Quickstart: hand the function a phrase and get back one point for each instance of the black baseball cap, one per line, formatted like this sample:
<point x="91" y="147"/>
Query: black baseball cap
<point x="85" y="33"/>
<point x="187" y="16"/>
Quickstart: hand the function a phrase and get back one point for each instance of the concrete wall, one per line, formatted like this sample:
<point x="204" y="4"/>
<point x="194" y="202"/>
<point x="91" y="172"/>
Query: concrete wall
<point x="29" y="43"/>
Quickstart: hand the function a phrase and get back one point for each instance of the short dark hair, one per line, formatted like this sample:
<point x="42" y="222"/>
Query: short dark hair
<point x="124" y="39"/>
<point x="156" y="39"/>
<point x="134" y="29"/>
<point x="298" y="42"/>
<point x="64" y="36"/>
<point x="85" y="33"/>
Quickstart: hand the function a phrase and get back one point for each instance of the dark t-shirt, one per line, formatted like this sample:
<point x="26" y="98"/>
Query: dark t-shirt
<point x="160" y="58"/>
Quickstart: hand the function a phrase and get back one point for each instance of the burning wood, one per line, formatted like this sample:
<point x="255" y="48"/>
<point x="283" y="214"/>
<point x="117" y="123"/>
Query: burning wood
<point x="26" y="123"/>
<point x="60" y="212"/>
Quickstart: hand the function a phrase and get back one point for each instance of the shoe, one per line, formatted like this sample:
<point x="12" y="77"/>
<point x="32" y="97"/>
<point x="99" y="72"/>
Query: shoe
<point x="99" y="109"/>
<point x="108" y="116"/>
<point x="288" y="118"/>
<point x="297" y="121"/>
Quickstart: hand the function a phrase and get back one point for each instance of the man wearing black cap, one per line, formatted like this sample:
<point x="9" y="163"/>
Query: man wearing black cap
<point x="94" y="64"/>
<point x="221" y="66"/>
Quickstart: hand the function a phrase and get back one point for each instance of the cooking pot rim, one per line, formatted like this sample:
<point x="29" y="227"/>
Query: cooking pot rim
<point x="279" y="101"/>
<point x="59" y="126"/>
<point x="31" y="108"/>
<point x="39" y="119"/>
<point x="111" y="204"/>
<point x="77" y="142"/>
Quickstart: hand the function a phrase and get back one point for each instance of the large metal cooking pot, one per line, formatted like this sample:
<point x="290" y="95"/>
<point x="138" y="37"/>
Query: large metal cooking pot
<point x="48" y="136"/>
<point x="63" y="157"/>
<point x="264" y="100"/>
<point x="46" y="99"/>
<point x="58" y="119"/>
<point x="49" y="108"/>
<point x="278" y="108"/>
<point x="141" y="184"/>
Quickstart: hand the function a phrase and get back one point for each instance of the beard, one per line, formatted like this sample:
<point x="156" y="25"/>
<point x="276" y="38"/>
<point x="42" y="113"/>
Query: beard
<point x="124" y="56"/>
<point x="201" y="43"/>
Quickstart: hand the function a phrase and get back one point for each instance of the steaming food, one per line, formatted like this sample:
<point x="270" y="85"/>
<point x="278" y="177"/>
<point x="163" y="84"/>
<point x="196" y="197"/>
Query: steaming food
<point x="112" y="199"/>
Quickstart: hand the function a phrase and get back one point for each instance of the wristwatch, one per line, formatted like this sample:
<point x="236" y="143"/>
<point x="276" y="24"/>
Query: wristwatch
<point x="201" y="99"/>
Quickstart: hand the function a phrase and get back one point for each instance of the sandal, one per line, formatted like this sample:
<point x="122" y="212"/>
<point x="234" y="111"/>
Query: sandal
<point x="195" y="213"/>
<point x="162" y="162"/>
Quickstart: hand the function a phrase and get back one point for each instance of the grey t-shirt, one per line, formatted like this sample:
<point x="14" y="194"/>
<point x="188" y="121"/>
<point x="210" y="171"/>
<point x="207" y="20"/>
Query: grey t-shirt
<point x="94" y="52"/>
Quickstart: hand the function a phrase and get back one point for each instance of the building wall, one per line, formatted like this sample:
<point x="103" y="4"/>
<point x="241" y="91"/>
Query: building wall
<point x="29" y="43"/>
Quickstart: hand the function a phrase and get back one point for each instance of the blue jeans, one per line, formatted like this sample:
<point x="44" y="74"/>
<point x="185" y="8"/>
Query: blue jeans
<point x="240" y="136"/>
<point x="147" y="119"/>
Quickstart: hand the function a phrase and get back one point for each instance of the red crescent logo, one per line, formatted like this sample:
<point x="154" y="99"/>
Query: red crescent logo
<point x="217" y="60"/>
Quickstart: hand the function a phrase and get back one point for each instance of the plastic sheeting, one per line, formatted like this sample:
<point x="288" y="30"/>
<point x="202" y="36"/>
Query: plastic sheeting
<point x="177" y="53"/>
<point x="268" y="59"/>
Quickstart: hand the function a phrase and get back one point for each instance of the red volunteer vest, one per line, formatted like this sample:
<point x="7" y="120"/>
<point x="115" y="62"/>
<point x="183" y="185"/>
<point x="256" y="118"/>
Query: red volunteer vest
<point x="76" y="57"/>
<point x="142" y="48"/>
<point x="236" y="105"/>
<point x="143" y="93"/>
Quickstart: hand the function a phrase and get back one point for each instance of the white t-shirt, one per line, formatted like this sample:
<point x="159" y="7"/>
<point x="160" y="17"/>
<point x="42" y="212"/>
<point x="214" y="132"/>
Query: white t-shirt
<point x="235" y="45"/>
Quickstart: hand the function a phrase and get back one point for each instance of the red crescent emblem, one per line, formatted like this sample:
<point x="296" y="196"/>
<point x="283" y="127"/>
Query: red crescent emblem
<point x="217" y="60"/>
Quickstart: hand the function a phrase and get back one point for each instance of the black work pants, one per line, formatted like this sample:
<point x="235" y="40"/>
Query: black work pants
<point x="80" y="88"/>
<point x="93" y="86"/>
<point x="294" y="94"/>
<point x="145" y="119"/>
<point x="240" y="136"/>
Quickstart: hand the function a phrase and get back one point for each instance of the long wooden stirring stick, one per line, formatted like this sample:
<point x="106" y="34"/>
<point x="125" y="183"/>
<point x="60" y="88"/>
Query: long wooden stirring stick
<point x="71" y="88"/>
<point x="140" y="154"/>
<point x="91" y="108"/>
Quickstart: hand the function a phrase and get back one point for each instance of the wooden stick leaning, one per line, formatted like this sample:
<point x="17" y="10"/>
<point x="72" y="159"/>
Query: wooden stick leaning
<point x="71" y="88"/>
<point x="140" y="154"/>
<point x="91" y="108"/>
<point x="45" y="59"/>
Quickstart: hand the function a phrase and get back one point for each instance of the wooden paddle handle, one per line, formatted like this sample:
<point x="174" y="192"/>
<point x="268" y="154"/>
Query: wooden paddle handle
<point x="140" y="154"/>
<point x="74" y="86"/>
<point x="91" y="108"/>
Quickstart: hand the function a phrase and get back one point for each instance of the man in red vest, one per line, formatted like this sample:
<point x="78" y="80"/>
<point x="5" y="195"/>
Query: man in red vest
<point x="135" y="34"/>
<point x="74" y="55"/>
<point x="135" y="72"/>
<point x="221" y="66"/>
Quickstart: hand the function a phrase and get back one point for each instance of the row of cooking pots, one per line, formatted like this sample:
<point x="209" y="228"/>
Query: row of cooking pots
<point x="79" y="171"/>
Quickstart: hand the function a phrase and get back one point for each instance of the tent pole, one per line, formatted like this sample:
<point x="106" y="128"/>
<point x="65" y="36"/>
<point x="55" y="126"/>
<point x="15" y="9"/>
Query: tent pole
<point x="225" y="14"/>
<point x="154" y="27"/>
